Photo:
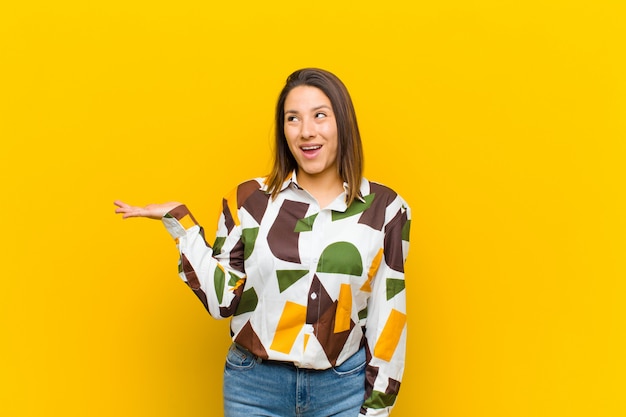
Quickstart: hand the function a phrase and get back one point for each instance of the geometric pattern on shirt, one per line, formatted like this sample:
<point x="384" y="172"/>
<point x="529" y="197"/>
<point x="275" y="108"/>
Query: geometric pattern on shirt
<point x="393" y="242"/>
<point x="322" y="313"/>
<point x="330" y="319"/>
<point x="248" y="338"/>
<point x="331" y="325"/>
<point x="367" y="286"/>
<point x="357" y="207"/>
<point x="341" y="258"/>
<point x="246" y="192"/>
<point x="375" y="217"/>
<point x="390" y="336"/>
<point x="254" y="201"/>
<point x="249" y="301"/>
<point x="289" y="327"/>
<point x="378" y="399"/>
<point x="394" y="287"/>
<point x="286" y="278"/>
<point x="281" y="238"/>
<point x="306" y="224"/>
<point x="192" y="280"/>
<point x="248" y="238"/>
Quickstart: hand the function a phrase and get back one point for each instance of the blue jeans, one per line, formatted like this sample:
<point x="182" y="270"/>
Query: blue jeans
<point x="254" y="387"/>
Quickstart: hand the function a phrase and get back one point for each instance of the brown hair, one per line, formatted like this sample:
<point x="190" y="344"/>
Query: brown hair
<point x="349" y="148"/>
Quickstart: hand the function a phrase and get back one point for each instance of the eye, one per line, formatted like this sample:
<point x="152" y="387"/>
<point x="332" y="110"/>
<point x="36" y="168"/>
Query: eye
<point x="320" y="115"/>
<point x="291" y="118"/>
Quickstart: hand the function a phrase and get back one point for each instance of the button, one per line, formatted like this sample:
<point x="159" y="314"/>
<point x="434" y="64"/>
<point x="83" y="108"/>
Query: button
<point x="313" y="296"/>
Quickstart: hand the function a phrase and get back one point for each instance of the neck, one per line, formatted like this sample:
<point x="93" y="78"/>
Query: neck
<point x="324" y="188"/>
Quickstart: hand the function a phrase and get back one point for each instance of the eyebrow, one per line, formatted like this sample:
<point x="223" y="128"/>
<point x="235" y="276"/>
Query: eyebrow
<point x="323" y="106"/>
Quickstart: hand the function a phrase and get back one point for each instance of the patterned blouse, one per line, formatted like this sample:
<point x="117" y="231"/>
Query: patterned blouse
<point x="304" y="284"/>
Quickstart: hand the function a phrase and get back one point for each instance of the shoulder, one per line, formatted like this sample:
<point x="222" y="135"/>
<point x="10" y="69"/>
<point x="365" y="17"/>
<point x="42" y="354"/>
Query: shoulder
<point x="242" y="191"/>
<point x="383" y="194"/>
<point x="246" y="188"/>
<point x="248" y="191"/>
<point x="250" y="196"/>
<point x="384" y="208"/>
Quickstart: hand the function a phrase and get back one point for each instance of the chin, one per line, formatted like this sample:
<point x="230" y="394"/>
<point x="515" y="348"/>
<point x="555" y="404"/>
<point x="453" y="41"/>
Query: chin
<point x="312" y="171"/>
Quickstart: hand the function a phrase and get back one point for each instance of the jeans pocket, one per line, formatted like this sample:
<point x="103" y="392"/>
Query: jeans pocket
<point x="354" y="364"/>
<point x="239" y="358"/>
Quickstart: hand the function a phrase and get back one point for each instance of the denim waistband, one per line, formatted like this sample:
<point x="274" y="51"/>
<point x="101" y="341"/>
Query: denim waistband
<point x="261" y="360"/>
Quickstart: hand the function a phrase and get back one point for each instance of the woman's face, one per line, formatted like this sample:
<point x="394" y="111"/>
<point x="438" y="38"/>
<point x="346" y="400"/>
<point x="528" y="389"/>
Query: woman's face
<point x="311" y="132"/>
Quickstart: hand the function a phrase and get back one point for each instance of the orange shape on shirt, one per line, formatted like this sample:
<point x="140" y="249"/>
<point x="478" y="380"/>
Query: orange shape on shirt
<point x="289" y="326"/>
<point x="390" y="336"/>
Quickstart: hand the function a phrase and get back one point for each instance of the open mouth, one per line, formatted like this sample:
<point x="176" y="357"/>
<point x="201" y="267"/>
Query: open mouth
<point x="310" y="149"/>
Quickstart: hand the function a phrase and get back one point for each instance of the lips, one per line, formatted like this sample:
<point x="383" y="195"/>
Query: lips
<point x="310" y="151"/>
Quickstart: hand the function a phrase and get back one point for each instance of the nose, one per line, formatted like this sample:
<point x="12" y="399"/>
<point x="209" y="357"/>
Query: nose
<point x="308" y="129"/>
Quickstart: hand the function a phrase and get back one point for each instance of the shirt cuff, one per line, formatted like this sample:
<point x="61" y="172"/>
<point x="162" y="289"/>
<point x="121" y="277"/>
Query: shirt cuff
<point x="178" y="220"/>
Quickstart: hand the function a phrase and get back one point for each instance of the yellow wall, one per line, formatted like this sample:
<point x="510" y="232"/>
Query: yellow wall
<point x="502" y="123"/>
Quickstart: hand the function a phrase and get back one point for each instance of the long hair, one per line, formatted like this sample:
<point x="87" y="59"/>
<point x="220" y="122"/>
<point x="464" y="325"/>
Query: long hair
<point x="349" y="149"/>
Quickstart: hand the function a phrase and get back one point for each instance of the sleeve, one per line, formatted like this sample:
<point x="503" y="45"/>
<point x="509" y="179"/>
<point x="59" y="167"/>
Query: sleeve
<point x="386" y="321"/>
<point x="215" y="274"/>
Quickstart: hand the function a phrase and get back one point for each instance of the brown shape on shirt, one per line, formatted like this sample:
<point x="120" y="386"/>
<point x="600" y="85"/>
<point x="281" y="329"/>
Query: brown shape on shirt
<point x="393" y="242"/>
<point x="251" y="198"/>
<point x="282" y="239"/>
<point x="374" y="216"/>
<point x="248" y="338"/>
<point x="319" y="303"/>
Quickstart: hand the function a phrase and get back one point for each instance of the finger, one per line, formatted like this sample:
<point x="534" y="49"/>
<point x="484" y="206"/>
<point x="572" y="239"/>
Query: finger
<point x="123" y="209"/>
<point x="126" y="210"/>
<point x="134" y="213"/>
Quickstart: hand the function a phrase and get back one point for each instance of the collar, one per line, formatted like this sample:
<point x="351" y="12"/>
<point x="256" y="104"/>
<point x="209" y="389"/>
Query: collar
<point x="292" y="180"/>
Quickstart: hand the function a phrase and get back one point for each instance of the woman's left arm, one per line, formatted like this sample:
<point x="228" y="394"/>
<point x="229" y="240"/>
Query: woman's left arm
<point x="386" y="321"/>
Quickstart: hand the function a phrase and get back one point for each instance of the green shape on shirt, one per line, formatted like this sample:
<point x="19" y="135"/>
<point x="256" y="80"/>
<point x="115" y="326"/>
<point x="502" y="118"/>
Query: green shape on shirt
<point x="234" y="279"/>
<point x="355" y="208"/>
<point x="286" y="278"/>
<point x="341" y="258"/>
<point x="363" y="314"/>
<point x="248" y="236"/>
<point x="394" y="286"/>
<point x="217" y="246"/>
<point x="306" y="224"/>
<point x="248" y="302"/>
<point x="406" y="229"/>
<point x="219" y="279"/>
<point x="379" y="400"/>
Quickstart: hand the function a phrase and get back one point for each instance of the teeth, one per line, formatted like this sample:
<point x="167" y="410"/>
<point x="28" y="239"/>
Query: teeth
<point x="311" y="148"/>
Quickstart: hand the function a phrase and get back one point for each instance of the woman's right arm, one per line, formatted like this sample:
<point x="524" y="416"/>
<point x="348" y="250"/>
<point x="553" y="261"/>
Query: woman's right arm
<point x="216" y="278"/>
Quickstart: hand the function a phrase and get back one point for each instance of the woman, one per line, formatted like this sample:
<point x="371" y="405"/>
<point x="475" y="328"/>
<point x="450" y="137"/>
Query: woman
<point x="309" y="262"/>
